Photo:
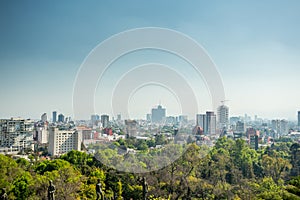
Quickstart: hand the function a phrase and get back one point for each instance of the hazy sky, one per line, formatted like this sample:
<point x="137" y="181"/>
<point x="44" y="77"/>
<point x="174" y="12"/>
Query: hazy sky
<point x="255" y="45"/>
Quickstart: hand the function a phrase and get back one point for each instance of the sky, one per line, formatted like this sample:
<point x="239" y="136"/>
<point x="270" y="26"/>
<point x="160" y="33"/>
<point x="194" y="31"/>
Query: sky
<point x="255" y="46"/>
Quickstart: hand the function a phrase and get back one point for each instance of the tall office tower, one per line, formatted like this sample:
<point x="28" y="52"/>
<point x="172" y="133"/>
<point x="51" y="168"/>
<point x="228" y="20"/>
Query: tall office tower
<point x="16" y="134"/>
<point x="61" y="118"/>
<point x="210" y="128"/>
<point x="63" y="141"/>
<point x="284" y="129"/>
<point x="158" y="114"/>
<point x="222" y="119"/>
<point x="299" y="118"/>
<point x="44" y="117"/>
<point x="54" y="114"/>
<point x="95" y="118"/>
<point x="131" y="129"/>
<point x="200" y="120"/>
<point x="104" y="121"/>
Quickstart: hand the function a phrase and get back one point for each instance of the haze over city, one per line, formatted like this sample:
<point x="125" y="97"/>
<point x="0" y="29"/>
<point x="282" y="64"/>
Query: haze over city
<point x="255" y="46"/>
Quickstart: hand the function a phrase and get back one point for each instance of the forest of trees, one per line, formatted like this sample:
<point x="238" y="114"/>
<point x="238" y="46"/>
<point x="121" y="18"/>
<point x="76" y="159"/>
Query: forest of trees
<point x="231" y="170"/>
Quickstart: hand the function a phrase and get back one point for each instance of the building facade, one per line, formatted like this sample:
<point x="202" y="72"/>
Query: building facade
<point x="158" y="114"/>
<point x="63" y="141"/>
<point x="210" y="123"/>
<point x="207" y="122"/>
<point x="131" y="128"/>
<point x="16" y="134"/>
<point x="104" y="121"/>
<point x="222" y="117"/>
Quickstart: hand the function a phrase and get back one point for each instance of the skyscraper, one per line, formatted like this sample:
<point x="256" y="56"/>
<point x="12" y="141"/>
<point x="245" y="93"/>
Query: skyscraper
<point x="54" y="114"/>
<point x="299" y="118"/>
<point x="207" y="122"/>
<point x="44" y="117"/>
<point x="158" y="114"/>
<point x="94" y="119"/>
<point x="104" y="121"/>
<point x="222" y="119"/>
<point x="200" y="120"/>
<point x="210" y="123"/>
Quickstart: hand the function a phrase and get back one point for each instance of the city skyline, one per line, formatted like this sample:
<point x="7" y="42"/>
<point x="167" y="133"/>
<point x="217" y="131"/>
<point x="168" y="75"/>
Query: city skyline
<point x="254" y="48"/>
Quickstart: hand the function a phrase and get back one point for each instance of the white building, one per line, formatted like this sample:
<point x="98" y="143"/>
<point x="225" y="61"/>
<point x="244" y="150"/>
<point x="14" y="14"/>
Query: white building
<point x="16" y="134"/>
<point x="63" y="141"/>
<point x="222" y="117"/>
<point x="42" y="134"/>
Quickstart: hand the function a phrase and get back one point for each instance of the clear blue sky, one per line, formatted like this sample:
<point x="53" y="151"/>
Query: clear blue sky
<point x="255" y="45"/>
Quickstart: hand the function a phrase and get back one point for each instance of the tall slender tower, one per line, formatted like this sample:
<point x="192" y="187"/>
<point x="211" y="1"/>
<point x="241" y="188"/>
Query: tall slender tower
<point x="299" y="118"/>
<point x="222" y="119"/>
<point x="54" y="114"/>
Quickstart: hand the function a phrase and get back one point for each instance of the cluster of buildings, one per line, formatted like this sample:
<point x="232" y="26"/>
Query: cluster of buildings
<point x="60" y="134"/>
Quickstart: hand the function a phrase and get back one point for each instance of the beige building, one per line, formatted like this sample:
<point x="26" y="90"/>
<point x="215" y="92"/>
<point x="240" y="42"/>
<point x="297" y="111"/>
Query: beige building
<point x="63" y="141"/>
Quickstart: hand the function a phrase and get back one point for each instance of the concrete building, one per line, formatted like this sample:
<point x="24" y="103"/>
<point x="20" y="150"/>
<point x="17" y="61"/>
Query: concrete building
<point x="16" y="134"/>
<point x="42" y="133"/>
<point x="158" y="114"/>
<point x="131" y="128"/>
<point x="104" y="121"/>
<point x="44" y="117"/>
<point x="207" y="122"/>
<point x="280" y="127"/>
<point x="284" y="128"/>
<point x="210" y="123"/>
<point x="222" y="117"/>
<point x="54" y="116"/>
<point x="200" y="120"/>
<point x="63" y="141"/>
<point x="86" y="132"/>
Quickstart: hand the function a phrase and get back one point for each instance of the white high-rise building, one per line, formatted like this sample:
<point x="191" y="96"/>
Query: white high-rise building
<point x="16" y="134"/>
<point x="42" y="134"/>
<point x="222" y="117"/>
<point x="63" y="141"/>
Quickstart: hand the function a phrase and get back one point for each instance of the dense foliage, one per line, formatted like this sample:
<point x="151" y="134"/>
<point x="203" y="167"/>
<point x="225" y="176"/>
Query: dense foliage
<point x="231" y="170"/>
